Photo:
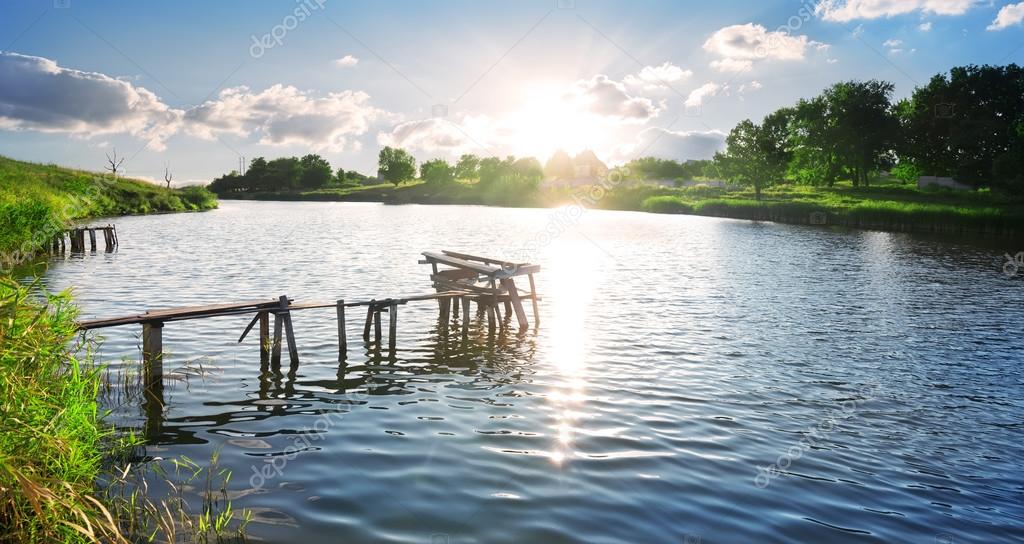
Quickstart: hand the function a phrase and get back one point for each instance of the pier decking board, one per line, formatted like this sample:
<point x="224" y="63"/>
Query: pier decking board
<point x="469" y="278"/>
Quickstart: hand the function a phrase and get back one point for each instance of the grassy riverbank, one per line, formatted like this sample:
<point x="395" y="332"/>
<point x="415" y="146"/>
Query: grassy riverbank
<point x="37" y="201"/>
<point x="887" y="205"/>
<point x="51" y="445"/>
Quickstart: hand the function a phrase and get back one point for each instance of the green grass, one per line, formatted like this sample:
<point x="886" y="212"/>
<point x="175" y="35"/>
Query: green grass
<point x="51" y="445"/>
<point x="884" y="207"/>
<point x="37" y="201"/>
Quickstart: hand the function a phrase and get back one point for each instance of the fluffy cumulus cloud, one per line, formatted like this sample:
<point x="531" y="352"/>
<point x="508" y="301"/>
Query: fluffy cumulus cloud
<point x="1009" y="15"/>
<point x="604" y="97"/>
<point x="37" y="94"/>
<point x="434" y="135"/>
<point x="667" y="144"/>
<point x="653" y="77"/>
<point x="740" y="45"/>
<point x="347" y="61"/>
<point x="843" y="11"/>
<point x="284" y="115"/>
<point x="702" y="94"/>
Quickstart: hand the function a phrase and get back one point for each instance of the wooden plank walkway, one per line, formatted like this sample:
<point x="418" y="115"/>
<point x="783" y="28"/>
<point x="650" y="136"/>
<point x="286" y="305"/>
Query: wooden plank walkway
<point x="488" y="282"/>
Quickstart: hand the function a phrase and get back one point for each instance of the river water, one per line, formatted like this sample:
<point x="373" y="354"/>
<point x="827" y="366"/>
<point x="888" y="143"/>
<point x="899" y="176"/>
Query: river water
<point x="693" y="379"/>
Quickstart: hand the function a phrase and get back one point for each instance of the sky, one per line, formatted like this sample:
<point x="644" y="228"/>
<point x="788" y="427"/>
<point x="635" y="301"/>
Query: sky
<point x="194" y="87"/>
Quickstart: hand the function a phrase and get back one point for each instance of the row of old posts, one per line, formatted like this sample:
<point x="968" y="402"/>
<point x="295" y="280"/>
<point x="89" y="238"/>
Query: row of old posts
<point x="75" y="239"/>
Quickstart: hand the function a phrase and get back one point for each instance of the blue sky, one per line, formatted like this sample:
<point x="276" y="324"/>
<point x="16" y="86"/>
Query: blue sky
<point x="189" y="84"/>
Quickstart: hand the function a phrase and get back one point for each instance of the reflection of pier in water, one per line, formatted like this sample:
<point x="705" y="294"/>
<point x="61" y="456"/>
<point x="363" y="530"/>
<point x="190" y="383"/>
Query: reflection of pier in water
<point x="284" y="391"/>
<point x="459" y="280"/>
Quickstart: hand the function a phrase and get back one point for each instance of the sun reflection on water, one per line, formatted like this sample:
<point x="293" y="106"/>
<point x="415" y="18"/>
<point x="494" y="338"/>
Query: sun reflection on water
<point x="573" y="269"/>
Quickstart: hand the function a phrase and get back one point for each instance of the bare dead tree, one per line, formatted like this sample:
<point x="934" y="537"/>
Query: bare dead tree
<point x="167" y="175"/>
<point x="114" y="162"/>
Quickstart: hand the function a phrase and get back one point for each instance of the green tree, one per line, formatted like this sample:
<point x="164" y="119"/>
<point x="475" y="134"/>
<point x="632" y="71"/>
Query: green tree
<point x="757" y="155"/>
<point x="742" y="161"/>
<point x="284" y="173"/>
<point x="316" y="172"/>
<point x="467" y="166"/>
<point x="865" y="125"/>
<point x="814" y="144"/>
<point x="966" y="123"/>
<point x="395" y="165"/>
<point x="437" y="172"/>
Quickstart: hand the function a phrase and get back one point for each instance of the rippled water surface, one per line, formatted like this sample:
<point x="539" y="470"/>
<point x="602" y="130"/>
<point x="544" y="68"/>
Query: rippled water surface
<point x="692" y="380"/>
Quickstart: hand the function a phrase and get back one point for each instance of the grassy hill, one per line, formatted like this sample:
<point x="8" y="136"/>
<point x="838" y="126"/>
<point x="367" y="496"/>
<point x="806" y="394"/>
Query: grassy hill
<point x="37" y="201"/>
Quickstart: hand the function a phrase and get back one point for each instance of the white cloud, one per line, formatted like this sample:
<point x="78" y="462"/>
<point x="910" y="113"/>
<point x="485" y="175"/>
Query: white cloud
<point x="702" y="94"/>
<point x="37" y="94"/>
<point x="1009" y="15"/>
<point x="831" y="60"/>
<point x="347" y="61"/>
<point x="752" y="86"/>
<point x="284" y="115"/>
<point x="666" y="144"/>
<point x="430" y="135"/>
<point x="740" y="45"/>
<point x="732" y="65"/>
<point x="925" y="27"/>
<point x="892" y="43"/>
<point x="843" y="11"/>
<point x="609" y="99"/>
<point x="653" y="77"/>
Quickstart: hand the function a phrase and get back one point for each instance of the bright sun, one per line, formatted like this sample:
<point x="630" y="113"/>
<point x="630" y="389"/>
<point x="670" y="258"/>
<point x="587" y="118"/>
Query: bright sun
<point x="552" y="119"/>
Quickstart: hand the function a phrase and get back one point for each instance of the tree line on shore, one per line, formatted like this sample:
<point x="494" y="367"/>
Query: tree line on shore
<point x="967" y="124"/>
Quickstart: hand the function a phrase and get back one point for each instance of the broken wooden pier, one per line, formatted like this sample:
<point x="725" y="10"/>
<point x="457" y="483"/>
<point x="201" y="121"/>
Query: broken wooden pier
<point x="75" y="237"/>
<point x="459" y="279"/>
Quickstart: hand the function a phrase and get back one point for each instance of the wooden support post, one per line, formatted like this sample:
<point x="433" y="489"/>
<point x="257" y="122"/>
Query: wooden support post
<point x="153" y="355"/>
<point x="342" y="340"/>
<point x="293" y="350"/>
<point x="92" y="240"/>
<point x="465" y="316"/>
<point x="369" y="320"/>
<point x="80" y="235"/>
<point x="446" y="306"/>
<point x="490" y="318"/>
<point x="455" y="306"/>
<point x="515" y="302"/>
<point x="63" y="243"/>
<point x="376" y="327"/>
<point x="108" y="241"/>
<point x="533" y="299"/>
<point x="508" y="308"/>
<point x="392" y="327"/>
<point x="275" y="357"/>
<point x="264" y="338"/>
<point x="113" y="234"/>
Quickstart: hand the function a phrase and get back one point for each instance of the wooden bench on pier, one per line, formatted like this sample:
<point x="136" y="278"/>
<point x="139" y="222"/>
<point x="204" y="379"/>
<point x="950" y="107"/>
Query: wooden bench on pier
<point x="488" y="282"/>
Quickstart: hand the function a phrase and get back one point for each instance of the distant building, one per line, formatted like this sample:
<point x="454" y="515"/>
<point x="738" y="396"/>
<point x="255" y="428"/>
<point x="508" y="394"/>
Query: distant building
<point x="588" y="166"/>
<point x="587" y="169"/>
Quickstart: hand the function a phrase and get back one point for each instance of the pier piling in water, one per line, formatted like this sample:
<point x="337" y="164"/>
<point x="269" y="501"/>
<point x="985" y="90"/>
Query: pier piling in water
<point x="488" y="282"/>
